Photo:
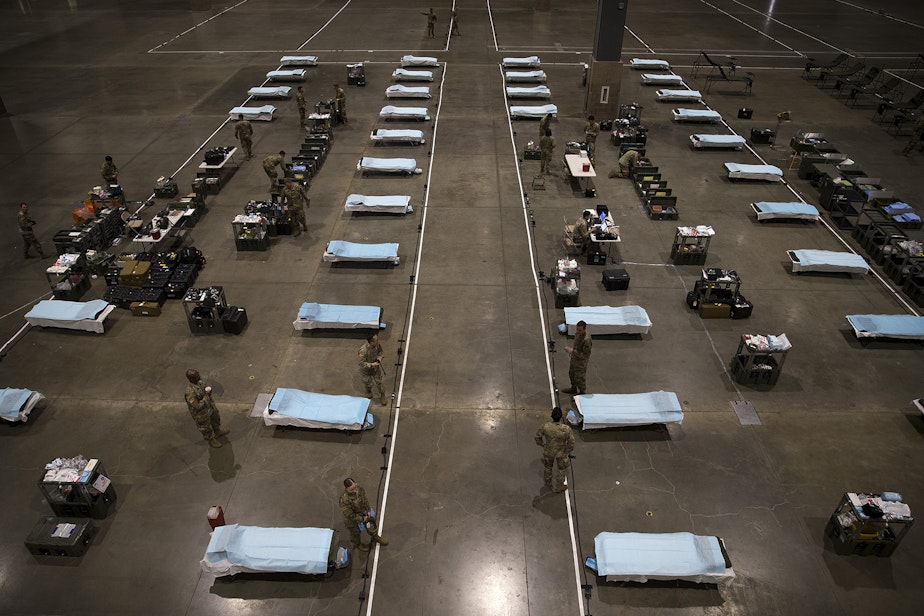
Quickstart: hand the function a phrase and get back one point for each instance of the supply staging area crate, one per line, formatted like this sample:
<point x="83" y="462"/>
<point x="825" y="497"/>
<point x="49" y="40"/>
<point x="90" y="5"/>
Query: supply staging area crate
<point x="869" y="524"/>
<point x="566" y="279"/>
<point x="717" y="295"/>
<point x="250" y="232"/>
<point x="78" y="489"/>
<point x="691" y="245"/>
<point x="60" y="537"/>
<point x="759" y="359"/>
<point x="204" y="309"/>
<point x="69" y="278"/>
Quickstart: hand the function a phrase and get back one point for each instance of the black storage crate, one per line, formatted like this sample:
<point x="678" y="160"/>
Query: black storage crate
<point x="234" y="320"/>
<point x="42" y="542"/>
<point x="616" y="280"/>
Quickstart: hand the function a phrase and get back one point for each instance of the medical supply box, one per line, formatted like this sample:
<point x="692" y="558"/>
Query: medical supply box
<point x="60" y="537"/>
<point x="145" y="309"/>
<point x="234" y="320"/>
<point x="762" y="136"/>
<point x="616" y="280"/>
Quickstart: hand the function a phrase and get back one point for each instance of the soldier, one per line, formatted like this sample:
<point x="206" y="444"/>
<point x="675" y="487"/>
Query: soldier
<point x="27" y="233"/>
<point x="203" y="409"/>
<point x="546" y="147"/>
<point x="296" y="197"/>
<point x="358" y="515"/>
<point x="545" y="124"/>
<point x="455" y="23"/>
<point x="302" y="105"/>
<point x="269" y="166"/>
<point x="244" y="133"/>
<point x="580" y="355"/>
<point x="431" y="24"/>
<point x="340" y="97"/>
<point x="626" y="162"/>
<point x="557" y="442"/>
<point x="109" y="171"/>
<point x="581" y="233"/>
<point x="370" y="363"/>
<point x="591" y="130"/>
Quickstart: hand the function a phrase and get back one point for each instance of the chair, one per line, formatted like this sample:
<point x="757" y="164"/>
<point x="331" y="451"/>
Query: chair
<point x="880" y="92"/>
<point x="810" y="65"/>
<point x="843" y="71"/>
<point x="567" y="239"/>
<point x="864" y="80"/>
<point x="900" y="108"/>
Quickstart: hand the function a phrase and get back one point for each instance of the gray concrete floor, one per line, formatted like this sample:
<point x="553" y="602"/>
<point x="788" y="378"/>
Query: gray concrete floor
<point x="472" y="529"/>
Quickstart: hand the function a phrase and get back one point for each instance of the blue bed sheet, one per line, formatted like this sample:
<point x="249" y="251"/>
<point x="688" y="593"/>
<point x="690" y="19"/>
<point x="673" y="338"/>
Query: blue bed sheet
<point x="67" y="311"/>
<point x="343" y="410"/>
<point x="12" y="401"/>
<point x="663" y="555"/>
<point x="813" y="258"/>
<point x="720" y="139"/>
<point x="786" y="207"/>
<point x="653" y="407"/>
<point x="339" y="313"/>
<point x="888" y="325"/>
<point x="284" y="550"/>
<point x="408" y="165"/>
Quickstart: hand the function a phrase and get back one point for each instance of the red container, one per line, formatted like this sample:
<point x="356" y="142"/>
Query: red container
<point x="216" y="516"/>
<point x="586" y="167"/>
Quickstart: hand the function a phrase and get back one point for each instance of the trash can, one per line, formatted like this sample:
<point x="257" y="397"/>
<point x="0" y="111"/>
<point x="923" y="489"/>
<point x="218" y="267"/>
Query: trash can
<point x="216" y="516"/>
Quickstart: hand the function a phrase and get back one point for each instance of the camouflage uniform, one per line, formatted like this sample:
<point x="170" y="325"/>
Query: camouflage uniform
<point x="544" y="124"/>
<point x="546" y="147"/>
<point x="203" y="411"/>
<point x="626" y="162"/>
<point x="591" y="130"/>
<point x="557" y="441"/>
<point x="297" y="199"/>
<point x="244" y="133"/>
<point x="302" y="107"/>
<point x="109" y="172"/>
<point x="581" y="235"/>
<point x="455" y="23"/>
<point x="269" y="166"/>
<point x="28" y="235"/>
<point x="341" y="104"/>
<point x="431" y="23"/>
<point x="370" y="373"/>
<point x="354" y="507"/>
<point x="577" y="371"/>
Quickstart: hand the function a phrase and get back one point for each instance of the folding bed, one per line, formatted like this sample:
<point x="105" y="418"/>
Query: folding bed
<point x="399" y="91"/>
<point x="607" y="320"/>
<point x="639" y="557"/>
<point x="768" y="210"/>
<point x="340" y="250"/>
<point x="383" y="135"/>
<point x="904" y="326"/>
<point x="390" y="112"/>
<point x="253" y="549"/>
<point x="87" y="316"/>
<point x="532" y="92"/>
<point x="808" y="260"/>
<point x="704" y="141"/>
<point x="418" y="61"/>
<point x="401" y="74"/>
<point x="367" y="164"/>
<point x="649" y="64"/>
<point x="16" y="404"/>
<point x="528" y="62"/>
<point x="696" y="115"/>
<point x="532" y="111"/>
<point x="524" y="76"/>
<point x="269" y="92"/>
<point x="616" y="410"/>
<point x="293" y="74"/>
<point x="262" y="113"/>
<point x="679" y="95"/>
<point x="383" y="204"/>
<point x="305" y="409"/>
<point x="655" y="79"/>
<point x="312" y="315"/>
<point x="765" y="173"/>
<point x="298" y="61"/>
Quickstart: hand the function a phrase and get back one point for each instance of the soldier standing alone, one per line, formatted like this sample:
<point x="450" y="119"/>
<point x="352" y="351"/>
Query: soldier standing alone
<point x="340" y="97"/>
<point x="557" y="442"/>
<point x="203" y="409"/>
<point x="370" y="363"/>
<point x="244" y="133"/>
<point x="591" y="130"/>
<point x="546" y="147"/>
<point x="28" y="233"/>
<point x="302" y="105"/>
<point x="431" y="24"/>
<point x="545" y="124"/>
<point x="580" y="355"/>
<point x="356" y="510"/>
<point x="296" y="197"/>
<point x="109" y="171"/>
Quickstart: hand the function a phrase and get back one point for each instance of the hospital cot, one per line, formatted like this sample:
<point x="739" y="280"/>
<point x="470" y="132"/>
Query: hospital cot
<point x="237" y="549"/>
<point x="390" y="112"/>
<point x="784" y="210"/>
<point x="263" y="113"/>
<point x="16" y="404"/>
<point x="312" y="315"/>
<point x="597" y="411"/>
<point x="419" y="61"/>
<point x="294" y="74"/>
<point x="829" y="261"/>
<point x="763" y="173"/>
<point x="269" y="92"/>
<point x="401" y="74"/>
<point x="532" y="92"/>
<point x="525" y="76"/>
<point x="679" y="96"/>
<point x="298" y="61"/>
<point x="639" y="557"/>
<point x="704" y="141"/>
<point x="383" y="135"/>
<point x="368" y="164"/>
<point x="399" y="91"/>
<point x="608" y="320"/>
<point x="655" y="79"/>
<point x="87" y="316"/>
<point x="649" y="64"/>
<point x="518" y="112"/>
<point x="527" y="62"/>
<point x="682" y="114"/>
<point x="902" y="326"/>
<point x="384" y="204"/>
<point x="340" y="250"/>
<point x="305" y="409"/>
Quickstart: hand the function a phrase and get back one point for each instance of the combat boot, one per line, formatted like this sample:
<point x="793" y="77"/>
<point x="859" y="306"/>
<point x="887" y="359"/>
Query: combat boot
<point x="383" y="399"/>
<point x="363" y="547"/>
<point x="224" y="432"/>
<point x="570" y="390"/>
<point x="215" y="443"/>
<point x="380" y="539"/>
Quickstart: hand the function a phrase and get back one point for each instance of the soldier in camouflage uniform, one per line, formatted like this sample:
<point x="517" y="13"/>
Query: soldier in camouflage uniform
<point x="269" y="166"/>
<point x="546" y="147"/>
<point x="580" y="355"/>
<point x="626" y="162"/>
<point x="340" y="97"/>
<point x="302" y="105"/>
<point x="545" y="124"/>
<point x="557" y="442"/>
<point x="356" y="510"/>
<point x="203" y="409"/>
<point x="109" y="171"/>
<point x="370" y="361"/>
<point x="296" y="197"/>
<point x="27" y="233"/>
<point x="244" y="133"/>
<point x="591" y="130"/>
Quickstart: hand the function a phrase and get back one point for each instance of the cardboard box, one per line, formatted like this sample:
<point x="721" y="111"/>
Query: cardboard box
<point x="145" y="309"/>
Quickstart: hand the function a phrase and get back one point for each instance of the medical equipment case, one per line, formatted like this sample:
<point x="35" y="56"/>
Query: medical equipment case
<point x="60" y="537"/>
<point x="234" y="320"/>
<point x="762" y="136"/>
<point x="616" y="280"/>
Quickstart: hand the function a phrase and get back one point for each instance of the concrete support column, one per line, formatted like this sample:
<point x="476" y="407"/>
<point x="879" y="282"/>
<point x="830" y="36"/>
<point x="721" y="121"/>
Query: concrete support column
<point x="604" y="80"/>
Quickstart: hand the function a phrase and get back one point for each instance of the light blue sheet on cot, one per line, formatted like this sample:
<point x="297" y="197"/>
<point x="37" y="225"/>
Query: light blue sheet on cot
<point x="339" y="313"/>
<point x="786" y="207"/>
<point x="342" y="410"/>
<point x="536" y="91"/>
<point x="269" y="92"/>
<point x="67" y="311"/>
<point x="699" y="114"/>
<point x="653" y="407"/>
<point x="369" y="252"/>
<point x="888" y="325"/>
<point x="408" y="91"/>
<point x="407" y="75"/>
<point x="761" y="169"/>
<point x="658" y="554"/>
<point x="379" y="200"/>
<point x="532" y="111"/>
<point x="419" y="61"/>
<point x="812" y="258"/>
<point x="404" y="112"/>
<point x="388" y="164"/>
<point x="723" y="139"/>
<point x="298" y="60"/>
<point x="12" y="401"/>
<point x="655" y="78"/>
<point x="675" y="94"/>
<point x="531" y="61"/>
<point x="524" y="75"/>
<point x="284" y="550"/>
<point x="653" y="63"/>
<point x="606" y="315"/>
<point x="384" y="133"/>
